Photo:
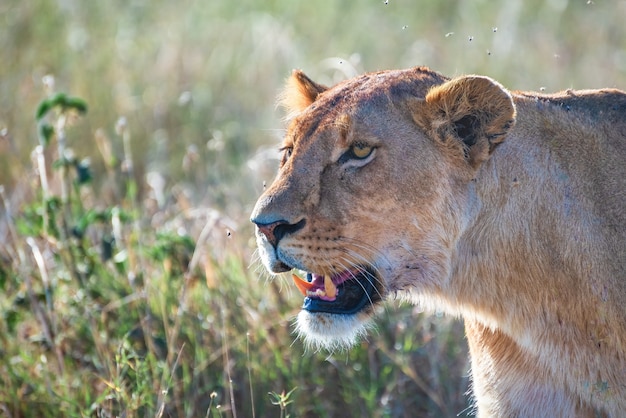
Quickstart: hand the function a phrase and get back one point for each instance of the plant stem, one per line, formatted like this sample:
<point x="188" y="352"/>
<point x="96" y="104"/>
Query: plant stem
<point x="227" y="363"/>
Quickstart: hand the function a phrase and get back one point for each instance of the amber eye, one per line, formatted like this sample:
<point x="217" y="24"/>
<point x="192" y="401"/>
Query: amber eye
<point x="361" y="151"/>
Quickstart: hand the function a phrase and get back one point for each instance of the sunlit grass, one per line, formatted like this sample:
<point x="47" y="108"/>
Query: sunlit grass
<point x="134" y="292"/>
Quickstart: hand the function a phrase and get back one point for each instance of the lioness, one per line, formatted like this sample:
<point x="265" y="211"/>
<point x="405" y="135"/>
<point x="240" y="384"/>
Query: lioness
<point x="505" y="208"/>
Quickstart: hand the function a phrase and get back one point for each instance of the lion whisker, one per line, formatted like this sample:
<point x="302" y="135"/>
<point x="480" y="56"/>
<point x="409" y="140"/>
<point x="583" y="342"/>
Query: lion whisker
<point x="375" y="252"/>
<point x="356" y="256"/>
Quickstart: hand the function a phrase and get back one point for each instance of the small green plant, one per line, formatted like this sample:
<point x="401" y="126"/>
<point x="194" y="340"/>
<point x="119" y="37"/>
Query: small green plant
<point x="282" y="400"/>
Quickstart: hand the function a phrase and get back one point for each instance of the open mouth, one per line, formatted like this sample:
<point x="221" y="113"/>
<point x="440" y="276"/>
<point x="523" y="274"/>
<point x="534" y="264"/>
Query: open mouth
<point x="345" y="293"/>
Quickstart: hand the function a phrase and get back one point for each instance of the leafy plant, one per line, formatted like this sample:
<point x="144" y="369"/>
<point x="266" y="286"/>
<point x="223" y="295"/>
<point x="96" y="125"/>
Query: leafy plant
<point x="282" y="400"/>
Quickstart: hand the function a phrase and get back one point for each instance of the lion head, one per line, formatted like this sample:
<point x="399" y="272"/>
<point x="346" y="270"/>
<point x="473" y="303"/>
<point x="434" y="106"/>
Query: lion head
<point x="373" y="188"/>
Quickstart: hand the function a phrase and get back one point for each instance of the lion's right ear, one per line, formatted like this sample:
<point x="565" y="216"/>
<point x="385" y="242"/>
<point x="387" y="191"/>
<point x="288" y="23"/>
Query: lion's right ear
<point x="471" y="114"/>
<point x="300" y="91"/>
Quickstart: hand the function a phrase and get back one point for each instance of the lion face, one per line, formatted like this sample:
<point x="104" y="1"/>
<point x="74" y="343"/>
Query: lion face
<point x="374" y="190"/>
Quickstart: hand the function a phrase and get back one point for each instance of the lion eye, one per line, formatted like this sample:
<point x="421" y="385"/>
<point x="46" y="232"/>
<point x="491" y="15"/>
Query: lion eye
<point x="361" y="151"/>
<point x="357" y="155"/>
<point x="287" y="150"/>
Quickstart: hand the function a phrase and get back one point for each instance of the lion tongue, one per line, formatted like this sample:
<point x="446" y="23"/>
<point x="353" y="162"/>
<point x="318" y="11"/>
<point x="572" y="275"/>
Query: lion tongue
<point x="302" y="285"/>
<point x="311" y="289"/>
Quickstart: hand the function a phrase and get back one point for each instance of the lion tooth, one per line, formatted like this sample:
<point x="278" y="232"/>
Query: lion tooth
<point x="302" y="285"/>
<point x="329" y="286"/>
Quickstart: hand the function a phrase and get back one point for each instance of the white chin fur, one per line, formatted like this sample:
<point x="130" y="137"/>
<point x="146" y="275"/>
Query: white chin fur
<point x="330" y="332"/>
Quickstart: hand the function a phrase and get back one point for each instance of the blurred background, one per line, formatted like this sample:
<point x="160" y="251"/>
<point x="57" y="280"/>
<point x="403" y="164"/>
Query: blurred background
<point x="134" y="291"/>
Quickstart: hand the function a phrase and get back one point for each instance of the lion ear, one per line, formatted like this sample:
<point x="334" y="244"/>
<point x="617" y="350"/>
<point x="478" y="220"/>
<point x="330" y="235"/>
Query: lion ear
<point x="300" y="91"/>
<point x="470" y="113"/>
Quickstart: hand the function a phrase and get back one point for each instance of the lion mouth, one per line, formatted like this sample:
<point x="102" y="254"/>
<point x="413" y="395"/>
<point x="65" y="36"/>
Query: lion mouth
<point x="348" y="292"/>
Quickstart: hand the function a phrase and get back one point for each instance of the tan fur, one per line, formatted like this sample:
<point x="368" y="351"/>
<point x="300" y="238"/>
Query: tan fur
<point x="506" y="208"/>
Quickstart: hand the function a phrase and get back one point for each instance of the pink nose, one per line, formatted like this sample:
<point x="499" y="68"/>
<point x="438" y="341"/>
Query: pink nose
<point x="275" y="231"/>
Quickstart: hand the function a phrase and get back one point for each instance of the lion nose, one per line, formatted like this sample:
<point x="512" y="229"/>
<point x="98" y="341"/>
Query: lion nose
<point x="274" y="231"/>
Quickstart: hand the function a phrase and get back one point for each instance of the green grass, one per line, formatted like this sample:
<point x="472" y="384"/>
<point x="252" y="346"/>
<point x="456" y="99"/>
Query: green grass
<point x="128" y="285"/>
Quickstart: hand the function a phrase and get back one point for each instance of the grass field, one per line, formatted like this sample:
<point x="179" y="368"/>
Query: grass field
<point x="128" y="283"/>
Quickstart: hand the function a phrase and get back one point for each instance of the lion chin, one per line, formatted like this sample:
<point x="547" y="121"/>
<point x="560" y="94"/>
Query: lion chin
<point x="331" y="332"/>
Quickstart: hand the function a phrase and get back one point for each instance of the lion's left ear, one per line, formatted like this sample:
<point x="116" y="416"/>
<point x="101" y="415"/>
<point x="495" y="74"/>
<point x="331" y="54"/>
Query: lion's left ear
<point x="300" y="91"/>
<point x="471" y="113"/>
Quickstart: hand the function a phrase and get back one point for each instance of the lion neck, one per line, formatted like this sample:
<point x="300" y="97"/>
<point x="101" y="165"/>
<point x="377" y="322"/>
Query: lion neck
<point x="524" y="246"/>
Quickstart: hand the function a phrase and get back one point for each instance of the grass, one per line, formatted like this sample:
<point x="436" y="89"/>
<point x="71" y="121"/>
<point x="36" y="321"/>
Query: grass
<point x="128" y="285"/>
